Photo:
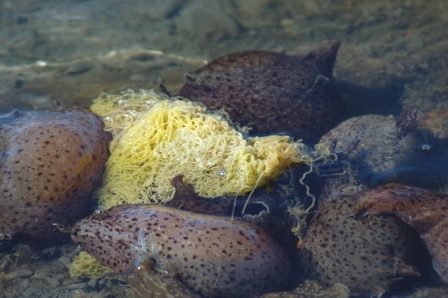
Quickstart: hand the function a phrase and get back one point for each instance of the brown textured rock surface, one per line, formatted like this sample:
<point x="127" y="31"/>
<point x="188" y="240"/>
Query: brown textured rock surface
<point x="425" y="211"/>
<point x="271" y="91"/>
<point x="312" y="289"/>
<point x="216" y="256"/>
<point x="50" y="163"/>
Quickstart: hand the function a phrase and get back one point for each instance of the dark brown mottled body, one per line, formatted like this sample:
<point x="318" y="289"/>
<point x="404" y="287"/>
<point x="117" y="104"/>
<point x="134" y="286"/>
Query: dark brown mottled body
<point x="50" y="163"/>
<point x="383" y="149"/>
<point x="265" y="209"/>
<point x="425" y="211"/>
<point x="271" y="91"/>
<point x="366" y="256"/>
<point x="365" y="140"/>
<point x="186" y="199"/>
<point x="214" y="256"/>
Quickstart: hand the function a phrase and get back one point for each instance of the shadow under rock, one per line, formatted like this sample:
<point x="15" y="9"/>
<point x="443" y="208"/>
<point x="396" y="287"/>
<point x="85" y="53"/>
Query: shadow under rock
<point x="381" y="101"/>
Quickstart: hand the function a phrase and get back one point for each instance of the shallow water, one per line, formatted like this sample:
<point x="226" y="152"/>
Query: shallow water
<point x="393" y="57"/>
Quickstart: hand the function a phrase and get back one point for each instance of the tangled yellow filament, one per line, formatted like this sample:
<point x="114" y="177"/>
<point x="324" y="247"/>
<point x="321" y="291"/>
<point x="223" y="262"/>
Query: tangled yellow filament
<point x="156" y="138"/>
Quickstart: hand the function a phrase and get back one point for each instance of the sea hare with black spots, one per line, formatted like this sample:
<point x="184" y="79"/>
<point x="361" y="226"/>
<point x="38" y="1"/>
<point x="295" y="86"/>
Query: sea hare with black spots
<point x="425" y="211"/>
<point x="366" y="256"/>
<point x="213" y="256"/>
<point x="49" y="164"/>
<point x="272" y="91"/>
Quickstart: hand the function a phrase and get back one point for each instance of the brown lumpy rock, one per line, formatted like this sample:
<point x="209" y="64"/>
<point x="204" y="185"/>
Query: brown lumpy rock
<point x="214" y="256"/>
<point x="312" y="289"/>
<point x="272" y="91"/>
<point x="148" y="281"/>
<point x="366" y="256"/>
<point x="425" y="211"/>
<point x="50" y="163"/>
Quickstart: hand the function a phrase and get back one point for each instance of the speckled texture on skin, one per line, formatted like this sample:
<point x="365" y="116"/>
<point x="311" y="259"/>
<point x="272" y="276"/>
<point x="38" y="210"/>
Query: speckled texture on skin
<point x="211" y="255"/>
<point x="364" y="255"/>
<point x="186" y="199"/>
<point x="271" y="91"/>
<point x="265" y="209"/>
<point x="425" y="211"/>
<point x="368" y="139"/>
<point x="382" y="149"/>
<point x="50" y="163"/>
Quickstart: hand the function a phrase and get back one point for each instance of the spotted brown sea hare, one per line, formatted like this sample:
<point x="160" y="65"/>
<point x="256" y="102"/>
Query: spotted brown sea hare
<point x="383" y="149"/>
<point x="366" y="255"/>
<point x="425" y="211"/>
<point x="50" y="163"/>
<point x="272" y="91"/>
<point x="213" y="256"/>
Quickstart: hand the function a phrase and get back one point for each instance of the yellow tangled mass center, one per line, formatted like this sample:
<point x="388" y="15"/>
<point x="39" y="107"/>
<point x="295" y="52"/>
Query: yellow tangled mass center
<point x="86" y="265"/>
<point x="156" y="138"/>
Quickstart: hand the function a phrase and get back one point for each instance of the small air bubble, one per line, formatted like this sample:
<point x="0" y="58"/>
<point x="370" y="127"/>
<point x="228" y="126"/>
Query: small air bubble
<point x="425" y="147"/>
<point x="222" y="173"/>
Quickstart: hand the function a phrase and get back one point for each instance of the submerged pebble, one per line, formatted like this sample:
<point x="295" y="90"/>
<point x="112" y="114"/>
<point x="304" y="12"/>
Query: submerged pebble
<point x="214" y="256"/>
<point x="272" y="91"/>
<point x="20" y="273"/>
<point x="50" y="163"/>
